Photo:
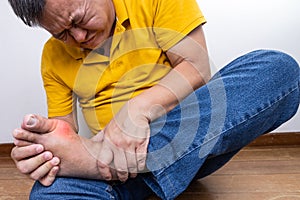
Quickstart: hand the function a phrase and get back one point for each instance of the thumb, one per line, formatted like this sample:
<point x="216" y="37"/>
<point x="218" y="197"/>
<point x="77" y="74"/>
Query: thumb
<point x="37" y="123"/>
<point x="141" y="156"/>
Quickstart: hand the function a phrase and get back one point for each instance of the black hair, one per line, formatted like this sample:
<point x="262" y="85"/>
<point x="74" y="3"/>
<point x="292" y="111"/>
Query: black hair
<point x="29" y="11"/>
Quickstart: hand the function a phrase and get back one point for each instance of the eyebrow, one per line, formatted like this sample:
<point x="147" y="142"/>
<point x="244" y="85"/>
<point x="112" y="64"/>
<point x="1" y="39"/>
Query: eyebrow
<point x="65" y="27"/>
<point x="58" y="35"/>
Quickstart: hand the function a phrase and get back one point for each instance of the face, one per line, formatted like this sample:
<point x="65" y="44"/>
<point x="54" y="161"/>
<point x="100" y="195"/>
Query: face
<point x="80" y="23"/>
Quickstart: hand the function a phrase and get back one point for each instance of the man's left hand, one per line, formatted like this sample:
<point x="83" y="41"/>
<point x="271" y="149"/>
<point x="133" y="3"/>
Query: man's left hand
<point x="128" y="134"/>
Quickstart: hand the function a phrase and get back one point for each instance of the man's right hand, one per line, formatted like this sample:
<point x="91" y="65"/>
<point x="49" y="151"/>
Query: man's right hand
<point x="32" y="160"/>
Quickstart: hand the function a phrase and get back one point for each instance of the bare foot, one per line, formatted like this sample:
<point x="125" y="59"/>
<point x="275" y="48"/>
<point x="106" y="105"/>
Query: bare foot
<point x="79" y="157"/>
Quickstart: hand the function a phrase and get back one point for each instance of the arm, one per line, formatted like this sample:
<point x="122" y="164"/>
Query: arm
<point x="129" y="130"/>
<point x="71" y="119"/>
<point x="191" y="69"/>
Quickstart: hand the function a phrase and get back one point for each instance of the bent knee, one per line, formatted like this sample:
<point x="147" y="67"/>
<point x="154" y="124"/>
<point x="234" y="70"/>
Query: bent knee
<point x="282" y="65"/>
<point x="278" y="68"/>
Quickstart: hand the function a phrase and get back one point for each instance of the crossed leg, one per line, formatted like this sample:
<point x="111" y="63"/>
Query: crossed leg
<point x="266" y="102"/>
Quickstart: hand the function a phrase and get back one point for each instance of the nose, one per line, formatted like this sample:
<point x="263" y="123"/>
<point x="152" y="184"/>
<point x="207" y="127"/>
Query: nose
<point x="78" y="34"/>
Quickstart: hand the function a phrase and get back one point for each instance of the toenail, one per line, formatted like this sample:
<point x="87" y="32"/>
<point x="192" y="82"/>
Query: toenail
<point x="31" y="121"/>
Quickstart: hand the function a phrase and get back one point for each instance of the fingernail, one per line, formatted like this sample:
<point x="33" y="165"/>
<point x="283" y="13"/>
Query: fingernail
<point x="39" y="148"/>
<point x="55" y="170"/>
<point x="48" y="156"/>
<point x="107" y="178"/>
<point x="31" y="121"/>
<point x="16" y="142"/>
<point x="55" y="161"/>
<point x="16" y="132"/>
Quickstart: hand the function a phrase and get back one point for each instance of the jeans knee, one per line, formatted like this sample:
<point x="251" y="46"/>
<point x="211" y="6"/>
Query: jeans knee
<point x="282" y="66"/>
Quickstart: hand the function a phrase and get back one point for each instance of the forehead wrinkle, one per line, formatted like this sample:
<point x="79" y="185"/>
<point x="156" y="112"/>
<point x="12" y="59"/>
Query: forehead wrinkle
<point x="56" y="17"/>
<point x="79" y="11"/>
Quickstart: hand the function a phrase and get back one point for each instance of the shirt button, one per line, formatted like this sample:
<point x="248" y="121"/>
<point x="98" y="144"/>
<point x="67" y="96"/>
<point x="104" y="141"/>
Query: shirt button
<point x="119" y="63"/>
<point x="119" y="29"/>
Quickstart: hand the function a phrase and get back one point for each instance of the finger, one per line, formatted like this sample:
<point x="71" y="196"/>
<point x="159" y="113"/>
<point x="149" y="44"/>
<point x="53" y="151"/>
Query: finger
<point x="133" y="175"/>
<point x="50" y="177"/>
<point x="38" y="124"/>
<point x="113" y="173"/>
<point x="120" y="163"/>
<point x="20" y="153"/>
<point x="104" y="171"/>
<point x="44" y="169"/>
<point x="141" y="155"/>
<point x="104" y="159"/>
<point x="141" y="160"/>
<point x="131" y="162"/>
<point x="29" y="165"/>
<point x="24" y="135"/>
<point x="99" y="137"/>
<point x="22" y="143"/>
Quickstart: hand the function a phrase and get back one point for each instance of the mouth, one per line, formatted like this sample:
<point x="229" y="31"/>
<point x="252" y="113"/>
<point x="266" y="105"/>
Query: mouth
<point x="94" y="41"/>
<point x="88" y="43"/>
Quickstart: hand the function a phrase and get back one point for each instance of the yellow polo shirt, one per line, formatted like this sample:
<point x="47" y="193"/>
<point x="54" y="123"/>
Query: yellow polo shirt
<point x="145" y="30"/>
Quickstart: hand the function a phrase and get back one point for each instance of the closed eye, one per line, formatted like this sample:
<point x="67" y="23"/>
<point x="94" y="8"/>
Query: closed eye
<point x="61" y="36"/>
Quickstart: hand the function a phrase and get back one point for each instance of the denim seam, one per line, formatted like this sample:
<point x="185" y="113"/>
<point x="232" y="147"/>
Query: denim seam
<point x="254" y="115"/>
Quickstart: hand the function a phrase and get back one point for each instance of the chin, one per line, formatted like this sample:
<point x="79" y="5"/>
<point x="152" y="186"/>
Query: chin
<point x="90" y="46"/>
<point x="87" y="46"/>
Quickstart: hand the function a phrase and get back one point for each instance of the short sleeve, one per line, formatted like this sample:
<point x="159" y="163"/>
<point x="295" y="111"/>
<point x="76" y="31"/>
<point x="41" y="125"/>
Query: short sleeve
<point x="60" y="97"/>
<point x="174" y="19"/>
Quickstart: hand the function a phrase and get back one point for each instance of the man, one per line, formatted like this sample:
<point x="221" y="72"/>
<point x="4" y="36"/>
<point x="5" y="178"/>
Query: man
<point x="140" y="72"/>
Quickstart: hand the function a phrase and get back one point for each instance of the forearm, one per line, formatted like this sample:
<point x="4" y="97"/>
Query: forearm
<point x="173" y="88"/>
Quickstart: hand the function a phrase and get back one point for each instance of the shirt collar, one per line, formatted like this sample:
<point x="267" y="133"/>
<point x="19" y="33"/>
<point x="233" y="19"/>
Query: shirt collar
<point x="121" y="11"/>
<point x="75" y="52"/>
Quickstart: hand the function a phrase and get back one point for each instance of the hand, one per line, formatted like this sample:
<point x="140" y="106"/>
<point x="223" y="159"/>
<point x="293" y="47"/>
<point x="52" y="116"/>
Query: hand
<point x="128" y="134"/>
<point x="79" y="157"/>
<point x="33" y="161"/>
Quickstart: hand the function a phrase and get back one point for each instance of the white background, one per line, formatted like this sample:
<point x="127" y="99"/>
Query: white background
<point x="234" y="27"/>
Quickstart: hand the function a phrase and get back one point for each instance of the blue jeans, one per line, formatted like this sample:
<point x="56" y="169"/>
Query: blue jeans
<point x="251" y="96"/>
